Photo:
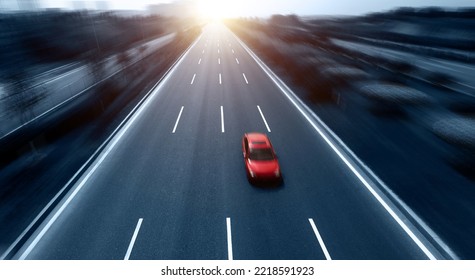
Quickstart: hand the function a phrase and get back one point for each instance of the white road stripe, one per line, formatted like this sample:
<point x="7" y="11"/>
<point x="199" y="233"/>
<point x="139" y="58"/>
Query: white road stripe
<point x="218" y="50"/>
<point x="232" y="50"/>
<point x="264" y="119"/>
<point x="300" y="105"/>
<point x="245" y="79"/>
<point x="199" y="61"/>
<point x="222" y="120"/>
<point x="109" y="146"/>
<point x="229" y="238"/>
<point x="64" y="75"/>
<point x="220" y="82"/>
<point x="320" y="240"/>
<point x="132" y="241"/>
<point x="219" y="60"/>
<point x="178" y="119"/>
<point x="237" y="61"/>
<point x="193" y="79"/>
<point x="203" y="51"/>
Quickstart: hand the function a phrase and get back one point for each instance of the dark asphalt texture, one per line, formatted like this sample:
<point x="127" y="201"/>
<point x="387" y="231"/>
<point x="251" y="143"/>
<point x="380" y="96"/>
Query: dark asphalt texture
<point x="185" y="184"/>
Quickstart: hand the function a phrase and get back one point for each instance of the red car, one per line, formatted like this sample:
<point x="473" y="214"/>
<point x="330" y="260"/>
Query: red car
<point x="259" y="158"/>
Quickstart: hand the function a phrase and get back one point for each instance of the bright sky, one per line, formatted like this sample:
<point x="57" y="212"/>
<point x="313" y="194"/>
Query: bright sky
<point x="224" y="8"/>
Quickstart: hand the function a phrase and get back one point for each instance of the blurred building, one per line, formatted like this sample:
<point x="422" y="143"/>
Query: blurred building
<point x="102" y="5"/>
<point x="185" y="8"/>
<point x="79" y="5"/>
<point x="96" y="5"/>
<point x="27" y="4"/>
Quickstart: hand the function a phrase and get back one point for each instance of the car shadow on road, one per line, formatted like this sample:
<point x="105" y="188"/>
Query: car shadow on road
<point x="268" y="185"/>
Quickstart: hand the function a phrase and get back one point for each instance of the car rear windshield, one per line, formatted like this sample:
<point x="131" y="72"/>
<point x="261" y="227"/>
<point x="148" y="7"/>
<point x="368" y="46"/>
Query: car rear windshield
<point x="261" y="154"/>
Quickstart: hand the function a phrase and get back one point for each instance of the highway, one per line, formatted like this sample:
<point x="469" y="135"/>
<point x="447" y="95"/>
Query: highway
<point x="171" y="183"/>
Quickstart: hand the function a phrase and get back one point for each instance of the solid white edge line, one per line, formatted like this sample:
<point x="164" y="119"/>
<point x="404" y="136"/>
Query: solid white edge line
<point x="320" y="239"/>
<point x="245" y="79"/>
<point x="220" y="82"/>
<point x="222" y="120"/>
<point x="193" y="79"/>
<point x="178" y="119"/>
<point x="263" y="118"/>
<point x="229" y="238"/>
<point x="401" y="223"/>
<point x="115" y="139"/>
<point x="132" y="241"/>
<point x="66" y="203"/>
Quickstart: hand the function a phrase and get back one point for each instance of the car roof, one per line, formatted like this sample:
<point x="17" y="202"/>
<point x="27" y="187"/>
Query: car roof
<point x="258" y="140"/>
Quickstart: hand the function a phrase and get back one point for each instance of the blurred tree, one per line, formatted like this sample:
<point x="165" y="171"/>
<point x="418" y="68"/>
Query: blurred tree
<point x="22" y="96"/>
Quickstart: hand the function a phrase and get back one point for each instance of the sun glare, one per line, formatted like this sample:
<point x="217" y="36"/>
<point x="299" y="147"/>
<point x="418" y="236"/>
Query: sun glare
<point x="213" y="9"/>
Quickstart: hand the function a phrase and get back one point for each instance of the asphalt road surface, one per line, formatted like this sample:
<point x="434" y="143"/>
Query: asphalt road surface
<point x="171" y="184"/>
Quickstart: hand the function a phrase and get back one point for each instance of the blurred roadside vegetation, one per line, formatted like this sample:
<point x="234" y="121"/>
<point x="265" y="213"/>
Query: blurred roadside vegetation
<point x="34" y="43"/>
<point x="28" y="39"/>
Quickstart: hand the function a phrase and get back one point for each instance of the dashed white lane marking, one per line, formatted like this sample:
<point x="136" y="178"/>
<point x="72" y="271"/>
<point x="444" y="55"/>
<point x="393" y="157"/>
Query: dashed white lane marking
<point x="220" y="81"/>
<point x="237" y="61"/>
<point x="203" y="51"/>
<point x="229" y="238"/>
<point x="108" y="147"/>
<point x="320" y="240"/>
<point x="300" y="106"/>
<point x="178" y="119"/>
<point x="245" y="79"/>
<point x="219" y="60"/>
<point x="193" y="79"/>
<point x="199" y="61"/>
<point x="218" y="50"/>
<point x="132" y="241"/>
<point x="232" y="50"/>
<point x="222" y="120"/>
<point x="263" y="118"/>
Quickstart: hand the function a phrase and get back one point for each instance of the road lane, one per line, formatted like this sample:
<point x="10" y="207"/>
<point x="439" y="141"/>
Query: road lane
<point x="185" y="176"/>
